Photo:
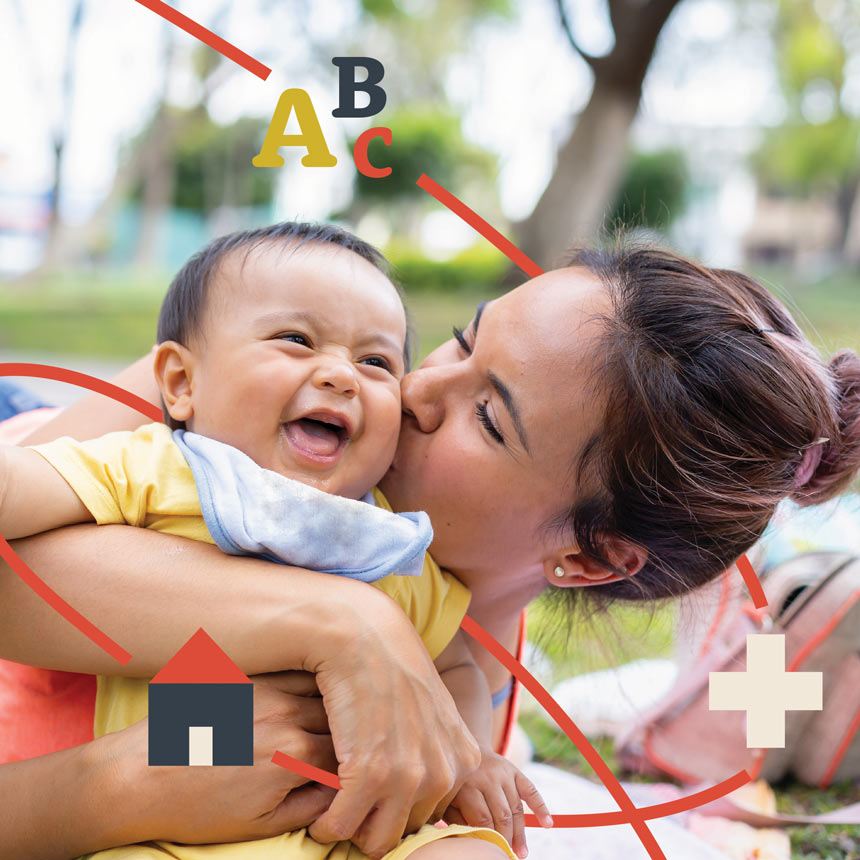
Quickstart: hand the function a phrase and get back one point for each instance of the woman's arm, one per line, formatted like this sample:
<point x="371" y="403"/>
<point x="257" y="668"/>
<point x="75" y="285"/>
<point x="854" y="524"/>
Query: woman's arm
<point x="400" y="744"/>
<point x="75" y="801"/>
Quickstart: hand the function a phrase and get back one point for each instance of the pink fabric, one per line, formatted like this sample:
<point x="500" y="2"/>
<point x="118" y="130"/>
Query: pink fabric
<point x="41" y="710"/>
<point x="18" y="427"/>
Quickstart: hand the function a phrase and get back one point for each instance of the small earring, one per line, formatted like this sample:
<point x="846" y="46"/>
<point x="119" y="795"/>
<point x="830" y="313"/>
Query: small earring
<point x="559" y="571"/>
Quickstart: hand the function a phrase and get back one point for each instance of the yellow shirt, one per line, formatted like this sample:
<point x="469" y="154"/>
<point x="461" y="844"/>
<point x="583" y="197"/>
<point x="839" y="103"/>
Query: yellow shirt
<point x="142" y="478"/>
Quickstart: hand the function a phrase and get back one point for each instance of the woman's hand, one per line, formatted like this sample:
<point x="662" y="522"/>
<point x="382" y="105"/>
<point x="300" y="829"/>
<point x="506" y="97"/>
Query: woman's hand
<point x="228" y="804"/>
<point x="401" y="745"/>
<point x="104" y="793"/>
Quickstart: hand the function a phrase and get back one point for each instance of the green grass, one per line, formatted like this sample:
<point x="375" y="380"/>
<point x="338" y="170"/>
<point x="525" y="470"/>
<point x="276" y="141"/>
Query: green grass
<point x="112" y="313"/>
<point x="105" y="314"/>
<point x="581" y="643"/>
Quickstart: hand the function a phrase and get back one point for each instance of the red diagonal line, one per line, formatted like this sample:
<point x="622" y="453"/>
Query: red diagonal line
<point x="231" y="52"/>
<point x="59" y="605"/>
<point x="631" y="814"/>
<point x="752" y="582"/>
<point x="83" y="380"/>
<point x="306" y="770"/>
<point x="491" y="234"/>
<point x="659" y="810"/>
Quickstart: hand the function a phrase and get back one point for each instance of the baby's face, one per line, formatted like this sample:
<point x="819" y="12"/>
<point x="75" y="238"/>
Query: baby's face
<point x="299" y="364"/>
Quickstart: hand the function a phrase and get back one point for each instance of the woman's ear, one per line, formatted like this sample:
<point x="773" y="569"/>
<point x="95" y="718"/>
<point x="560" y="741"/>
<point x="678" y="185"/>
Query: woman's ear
<point x="570" y="568"/>
<point x="174" y="367"/>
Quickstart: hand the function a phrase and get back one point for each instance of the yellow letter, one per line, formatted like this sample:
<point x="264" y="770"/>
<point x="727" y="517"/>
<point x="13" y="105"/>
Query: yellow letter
<point x="311" y="136"/>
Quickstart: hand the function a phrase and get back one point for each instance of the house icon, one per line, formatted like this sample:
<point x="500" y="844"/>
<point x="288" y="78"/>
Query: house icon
<point x="201" y="708"/>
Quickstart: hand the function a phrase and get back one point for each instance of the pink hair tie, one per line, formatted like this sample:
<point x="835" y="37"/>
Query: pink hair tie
<point x="811" y="458"/>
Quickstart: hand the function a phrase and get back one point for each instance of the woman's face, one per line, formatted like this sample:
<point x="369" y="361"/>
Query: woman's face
<point x="493" y="425"/>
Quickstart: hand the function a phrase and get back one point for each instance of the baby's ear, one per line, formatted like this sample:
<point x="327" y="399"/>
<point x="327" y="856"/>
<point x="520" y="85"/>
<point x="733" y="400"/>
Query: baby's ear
<point x="173" y="367"/>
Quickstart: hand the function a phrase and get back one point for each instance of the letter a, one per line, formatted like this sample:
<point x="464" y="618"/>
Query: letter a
<point x="311" y="137"/>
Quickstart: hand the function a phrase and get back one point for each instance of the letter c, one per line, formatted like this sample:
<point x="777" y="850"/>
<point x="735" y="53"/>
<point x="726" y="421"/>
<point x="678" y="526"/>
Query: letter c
<point x="359" y="152"/>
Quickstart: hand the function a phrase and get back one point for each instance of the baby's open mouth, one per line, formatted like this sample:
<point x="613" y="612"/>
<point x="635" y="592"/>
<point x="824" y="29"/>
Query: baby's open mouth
<point x="322" y="436"/>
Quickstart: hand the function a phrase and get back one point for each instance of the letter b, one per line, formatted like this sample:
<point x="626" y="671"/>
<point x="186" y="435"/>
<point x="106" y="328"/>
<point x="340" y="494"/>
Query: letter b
<point x="348" y="86"/>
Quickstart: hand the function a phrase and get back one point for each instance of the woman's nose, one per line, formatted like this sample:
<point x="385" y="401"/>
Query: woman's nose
<point x="422" y="394"/>
<point x="338" y="376"/>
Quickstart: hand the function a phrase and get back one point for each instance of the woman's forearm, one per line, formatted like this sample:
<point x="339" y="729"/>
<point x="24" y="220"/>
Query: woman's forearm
<point x="59" y="805"/>
<point x="150" y="592"/>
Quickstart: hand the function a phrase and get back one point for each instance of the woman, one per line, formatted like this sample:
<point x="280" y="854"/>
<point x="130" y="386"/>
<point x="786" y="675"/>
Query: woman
<point x="629" y="421"/>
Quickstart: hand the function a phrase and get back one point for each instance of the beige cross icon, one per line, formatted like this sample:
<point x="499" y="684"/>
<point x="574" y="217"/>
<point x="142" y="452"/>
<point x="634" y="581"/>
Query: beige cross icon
<point x="765" y="691"/>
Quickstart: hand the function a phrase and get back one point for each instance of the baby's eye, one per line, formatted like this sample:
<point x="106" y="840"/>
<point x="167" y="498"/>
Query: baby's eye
<point x="378" y="361"/>
<point x="295" y="337"/>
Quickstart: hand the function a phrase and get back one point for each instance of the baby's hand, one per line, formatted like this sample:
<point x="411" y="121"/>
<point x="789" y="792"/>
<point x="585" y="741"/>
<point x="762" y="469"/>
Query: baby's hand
<point x="492" y="797"/>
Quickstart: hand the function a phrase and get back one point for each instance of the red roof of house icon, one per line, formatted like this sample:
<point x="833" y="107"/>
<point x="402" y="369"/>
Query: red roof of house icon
<point x="200" y="661"/>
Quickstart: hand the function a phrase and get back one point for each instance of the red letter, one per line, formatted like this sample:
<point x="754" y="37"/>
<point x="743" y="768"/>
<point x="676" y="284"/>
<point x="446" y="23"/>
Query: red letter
<point x="359" y="152"/>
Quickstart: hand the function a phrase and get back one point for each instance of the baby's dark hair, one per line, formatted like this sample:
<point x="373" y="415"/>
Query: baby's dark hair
<point x="184" y="306"/>
<point x="183" y="309"/>
<point x="717" y="408"/>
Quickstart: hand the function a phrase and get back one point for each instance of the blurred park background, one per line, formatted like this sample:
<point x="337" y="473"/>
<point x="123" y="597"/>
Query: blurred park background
<point x="729" y="129"/>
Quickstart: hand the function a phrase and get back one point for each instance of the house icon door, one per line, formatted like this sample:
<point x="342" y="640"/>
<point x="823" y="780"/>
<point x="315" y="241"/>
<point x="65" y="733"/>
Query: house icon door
<point x="201" y="708"/>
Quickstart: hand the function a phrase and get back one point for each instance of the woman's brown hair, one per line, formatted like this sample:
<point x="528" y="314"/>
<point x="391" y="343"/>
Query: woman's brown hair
<point x="717" y="408"/>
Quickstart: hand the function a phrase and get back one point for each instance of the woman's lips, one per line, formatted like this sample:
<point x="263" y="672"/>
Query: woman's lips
<point x="315" y="442"/>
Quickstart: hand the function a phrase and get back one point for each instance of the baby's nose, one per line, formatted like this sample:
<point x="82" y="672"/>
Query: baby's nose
<point x="337" y="376"/>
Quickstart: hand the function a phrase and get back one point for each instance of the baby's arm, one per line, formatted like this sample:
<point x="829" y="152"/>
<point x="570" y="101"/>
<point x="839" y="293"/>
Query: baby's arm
<point x="33" y="495"/>
<point x="492" y="795"/>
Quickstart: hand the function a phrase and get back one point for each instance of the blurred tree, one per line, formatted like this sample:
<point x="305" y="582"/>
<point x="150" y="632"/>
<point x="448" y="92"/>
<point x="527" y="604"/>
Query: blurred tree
<point x="419" y="38"/>
<point x="590" y="163"/>
<point x="425" y="138"/>
<point x="145" y="170"/>
<point x="60" y="123"/>
<point x="208" y="164"/>
<point x="816" y="149"/>
<point x="653" y="192"/>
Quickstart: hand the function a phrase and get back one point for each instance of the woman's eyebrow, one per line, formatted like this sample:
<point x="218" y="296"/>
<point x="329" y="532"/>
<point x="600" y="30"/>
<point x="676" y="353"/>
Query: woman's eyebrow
<point x="511" y="405"/>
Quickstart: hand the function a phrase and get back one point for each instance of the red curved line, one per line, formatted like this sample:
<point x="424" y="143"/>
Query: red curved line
<point x="629" y="811"/>
<point x="659" y="810"/>
<point x="82" y="380"/>
<point x="752" y="582"/>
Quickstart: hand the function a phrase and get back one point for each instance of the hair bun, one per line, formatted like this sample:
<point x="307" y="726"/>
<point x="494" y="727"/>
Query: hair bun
<point x="840" y="459"/>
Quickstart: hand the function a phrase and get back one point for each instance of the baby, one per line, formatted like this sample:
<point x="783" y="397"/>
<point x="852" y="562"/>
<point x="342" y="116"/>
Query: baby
<point x="280" y="356"/>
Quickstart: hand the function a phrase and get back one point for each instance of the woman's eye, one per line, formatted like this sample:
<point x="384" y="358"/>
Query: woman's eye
<point x="484" y="418"/>
<point x="378" y="361"/>
<point x="461" y="339"/>
<point x="295" y="337"/>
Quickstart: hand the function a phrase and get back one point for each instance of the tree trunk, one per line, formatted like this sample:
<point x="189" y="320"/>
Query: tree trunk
<point x="588" y="171"/>
<point x="846" y="206"/>
<point x="157" y="163"/>
<point x="54" y="242"/>
<point x="851" y="246"/>
<point x="590" y="164"/>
